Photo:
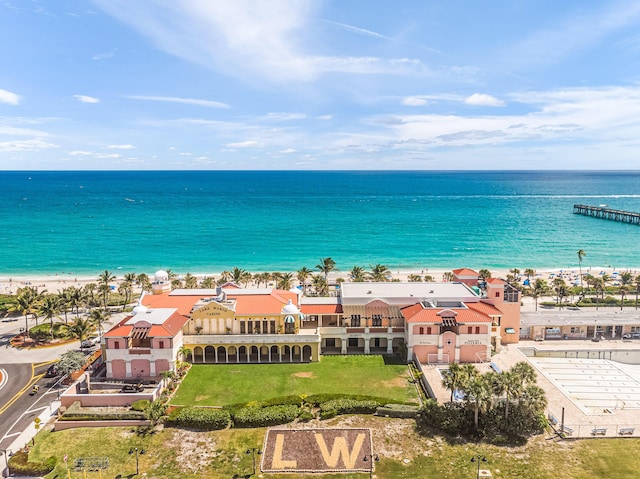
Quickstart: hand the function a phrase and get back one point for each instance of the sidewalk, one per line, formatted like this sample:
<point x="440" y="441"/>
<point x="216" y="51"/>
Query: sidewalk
<point x="26" y="437"/>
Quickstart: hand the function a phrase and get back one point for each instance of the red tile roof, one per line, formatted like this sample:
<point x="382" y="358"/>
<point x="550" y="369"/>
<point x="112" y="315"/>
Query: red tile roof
<point x="465" y="272"/>
<point x="495" y="281"/>
<point x="484" y="308"/>
<point x="418" y="314"/>
<point x="184" y="304"/>
<point x="252" y="304"/>
<point x="169" y="329"/>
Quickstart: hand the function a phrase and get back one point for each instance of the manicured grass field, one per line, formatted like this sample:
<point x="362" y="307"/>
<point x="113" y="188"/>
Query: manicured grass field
<point x="217" y="385"/>
<point x="173" y="453"/>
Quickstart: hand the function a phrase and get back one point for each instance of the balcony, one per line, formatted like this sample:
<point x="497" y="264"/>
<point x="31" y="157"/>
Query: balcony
<point x="256" y="339"/>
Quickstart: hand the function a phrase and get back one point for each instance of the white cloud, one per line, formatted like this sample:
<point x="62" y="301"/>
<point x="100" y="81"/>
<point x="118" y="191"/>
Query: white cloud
<point x="120" y="147"/>
<point x="359" y="30"/>
<point x="80" y="153"/>
<point x="86" y="99"/>
<point x="245" y="144"/>
<point x="325" y="117"/>
<point x="245" y="38"/>
<point x="186" y="101"/>
<point x="284" y="116"/>
<point x="109" y="156"/>
<point x="287" y="151"/>
<point x="9" y="97"/>
<point x="482" y="99"/>
<point x="415" y="101"/>
<point x="26" y="145"/>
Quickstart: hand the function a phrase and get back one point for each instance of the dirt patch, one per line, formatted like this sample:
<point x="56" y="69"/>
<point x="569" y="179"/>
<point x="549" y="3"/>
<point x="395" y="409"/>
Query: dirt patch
<point x="304" y="374"/>
<point x="200" y="398"/>
<point x="395" y="383"/>
<point x="194" y="450"/>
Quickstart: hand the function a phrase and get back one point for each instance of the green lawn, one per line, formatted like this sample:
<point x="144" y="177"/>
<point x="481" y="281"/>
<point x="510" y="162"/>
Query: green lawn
<point x="217" y="385"/>
<point x="172" y="453"/>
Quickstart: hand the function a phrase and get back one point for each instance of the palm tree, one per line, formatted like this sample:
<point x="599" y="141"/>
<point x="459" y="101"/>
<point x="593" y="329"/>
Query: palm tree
<point x="80" y="328"/>
<point x="98" y="317"/>
<point x="515" y="272"/>
<point x="208" y="283"/>
<point x="89" y="292"/>
<point x="303" y="275"/>
<point x="26" y="303"/>
<point x="509" y="384"/>
<point x="560" y="287"/>
<point x="283" y="280"/>
<point x="357" y="274"/>
<point x="75" y="299"/>
<point x="126" y="289"/>
<point x="106" y="277"/>
<point x="447" y="276"/>
<point x="144" y="282"/>
<point x="598" y="286"/>
<point x="637" y="284"/>
<point x="325" y="266"/>
<point x="176" y="283"/>
<point x="190" y="281"/>
<point x="65" y="301"/>
<point x="104" y="290"/>
<point x="453" y="378"/>
<point x="528" y="273"/>
<point x="581" y="254"/>
<point x="414" y="278"/>
<point x="539" y="288"/>
<point x="49" y="308"/>
<point x="534" y="399"/>
<point x="524" y="373"/>
<point x="238" y="275"/>
<point x="478" y="394"/>
<point x="380" y="273"/>
<point x="624" y="289"/>
<point x="484" y="274"/>
<point x="320" y="285"/>
<point x="184" y="352"/>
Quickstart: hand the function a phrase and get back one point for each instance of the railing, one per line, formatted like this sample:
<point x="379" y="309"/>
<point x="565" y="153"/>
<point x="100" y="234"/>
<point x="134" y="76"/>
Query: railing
<point x="570" y="430"/>
<point x="250" y="338"/>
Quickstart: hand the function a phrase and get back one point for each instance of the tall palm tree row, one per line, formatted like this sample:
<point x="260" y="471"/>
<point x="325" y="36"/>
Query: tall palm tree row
<point x="325" y="266"/>
<point x="481" y="391"/>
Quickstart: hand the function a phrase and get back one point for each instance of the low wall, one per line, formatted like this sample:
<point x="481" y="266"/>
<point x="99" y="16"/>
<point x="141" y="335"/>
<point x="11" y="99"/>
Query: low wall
<point x="104" y="400"/>
<point x="625" y="356"/>
<point x="62" y="425"/>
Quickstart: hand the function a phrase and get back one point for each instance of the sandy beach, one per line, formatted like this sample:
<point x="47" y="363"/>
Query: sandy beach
<point x="54" y="283"/>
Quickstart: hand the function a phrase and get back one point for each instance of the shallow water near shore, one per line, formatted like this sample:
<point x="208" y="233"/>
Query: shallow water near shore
<point x="80" y="223"/>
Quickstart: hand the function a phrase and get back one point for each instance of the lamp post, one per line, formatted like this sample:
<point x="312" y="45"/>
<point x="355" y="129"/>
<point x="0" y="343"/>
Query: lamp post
<point x="371" y="458"/>
<point x="478" y="458"/>
<point x="253" y="451"/>
<point x="6" y="461"/>
<point x="137" y="451"/>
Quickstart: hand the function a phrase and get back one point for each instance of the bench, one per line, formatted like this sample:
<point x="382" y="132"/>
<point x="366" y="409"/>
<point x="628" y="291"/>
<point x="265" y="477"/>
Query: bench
<point x="599" y="431"/>
<point x="626" y="431"/>
<point x="495" y="367"/>
<point x="553" y="420"/>
<point x="566" y="430"/>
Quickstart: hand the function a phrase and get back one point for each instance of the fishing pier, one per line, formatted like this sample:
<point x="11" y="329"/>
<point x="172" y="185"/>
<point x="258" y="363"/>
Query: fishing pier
<point x="607" y="214"/>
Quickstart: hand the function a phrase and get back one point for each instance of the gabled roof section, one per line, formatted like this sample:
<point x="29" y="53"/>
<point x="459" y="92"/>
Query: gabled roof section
<point x="465" y="272"/>
<point x="417" y="313"/>
<point x="183" y="303"/>
<point x="485" y="308"/>
<point x="495" y="281"/>
<point x="158" y="323"/>
<point x="313" y="309"/>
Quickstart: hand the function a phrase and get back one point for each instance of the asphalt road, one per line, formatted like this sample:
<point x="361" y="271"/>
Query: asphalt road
<point x="18" y="408"/>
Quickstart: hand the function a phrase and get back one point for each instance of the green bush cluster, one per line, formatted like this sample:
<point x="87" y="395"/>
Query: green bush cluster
<point x="456" y="419"/>
<point x="318" y="399"/>
<point x="105" y="416"/>
<point x="206" y="419"/>
<point x="140" y="405"/>
<point x="335" y="407"/>
<point x="265" y="416"/>
<point x="20" y="465"/>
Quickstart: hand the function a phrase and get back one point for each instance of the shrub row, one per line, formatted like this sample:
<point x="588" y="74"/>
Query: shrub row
<point x="318" y="399"/>
<point x="207" y="419"/>
<point x="20" y="465"/>
<point x="335" y="407"/>
<point x="140" y="405"/>
<point x="265" y="416"/>
<point x="116" y="416"/>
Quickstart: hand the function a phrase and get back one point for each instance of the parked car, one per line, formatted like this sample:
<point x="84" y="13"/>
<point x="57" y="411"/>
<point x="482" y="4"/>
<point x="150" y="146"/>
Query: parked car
<point x="52" y="371"/>
<point x="631" y="336"/>
<point x="91" y="342"/>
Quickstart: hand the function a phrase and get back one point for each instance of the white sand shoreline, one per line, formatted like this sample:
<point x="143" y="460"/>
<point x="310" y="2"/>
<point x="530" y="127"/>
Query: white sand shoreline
<point x="57" y="282"/>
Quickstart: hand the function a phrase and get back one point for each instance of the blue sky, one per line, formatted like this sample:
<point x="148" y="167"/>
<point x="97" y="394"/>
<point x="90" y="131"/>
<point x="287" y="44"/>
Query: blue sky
<point x="359" y="84"/>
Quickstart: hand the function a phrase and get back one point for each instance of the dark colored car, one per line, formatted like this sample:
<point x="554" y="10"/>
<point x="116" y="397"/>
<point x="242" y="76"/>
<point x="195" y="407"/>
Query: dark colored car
<point x="52" y="372"/>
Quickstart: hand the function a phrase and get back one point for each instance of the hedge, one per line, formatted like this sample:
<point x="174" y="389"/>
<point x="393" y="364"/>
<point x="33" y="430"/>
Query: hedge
<point x="20" y="465"/>
<point x="206" y="419"/>
<point x="347" y="406"/>
<point x="318" y="399"/>
<point x="267" y="416"/>
<point x="140" y="405"/>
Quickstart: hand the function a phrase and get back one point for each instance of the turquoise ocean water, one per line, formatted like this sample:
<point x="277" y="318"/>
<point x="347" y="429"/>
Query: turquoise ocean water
<point x="80" y="223"/>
